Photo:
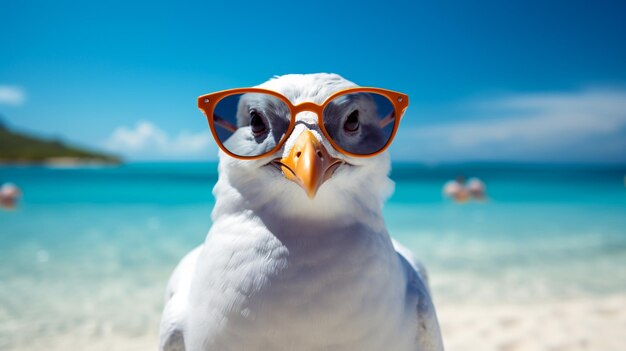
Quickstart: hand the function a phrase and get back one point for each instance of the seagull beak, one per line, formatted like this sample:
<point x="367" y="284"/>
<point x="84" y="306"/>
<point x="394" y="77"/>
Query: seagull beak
<point x="308" y="164"/>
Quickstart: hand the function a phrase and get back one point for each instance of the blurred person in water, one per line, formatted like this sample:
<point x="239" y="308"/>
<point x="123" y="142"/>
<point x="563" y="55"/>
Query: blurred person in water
<point x="9" y="196"/>
<point x="461" y="190"/>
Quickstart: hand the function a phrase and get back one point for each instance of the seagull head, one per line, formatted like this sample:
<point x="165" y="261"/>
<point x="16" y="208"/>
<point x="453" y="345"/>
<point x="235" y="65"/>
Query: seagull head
<point x="307" y="176"/>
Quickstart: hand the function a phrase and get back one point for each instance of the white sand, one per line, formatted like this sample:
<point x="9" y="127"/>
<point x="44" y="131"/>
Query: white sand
<point x="571" y="325"/>
<point x="580" y="324"/>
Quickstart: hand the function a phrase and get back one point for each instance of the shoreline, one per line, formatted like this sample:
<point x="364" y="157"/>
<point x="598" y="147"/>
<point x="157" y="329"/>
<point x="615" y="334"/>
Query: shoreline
<point x="60" y="162"/>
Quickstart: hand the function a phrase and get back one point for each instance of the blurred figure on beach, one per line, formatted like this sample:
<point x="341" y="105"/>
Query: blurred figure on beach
<point x="9" y="196"/>
<point x="461" y="190"/>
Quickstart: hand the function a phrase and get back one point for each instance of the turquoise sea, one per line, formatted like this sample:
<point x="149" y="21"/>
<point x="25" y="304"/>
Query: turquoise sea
<point x="89" y="250"/>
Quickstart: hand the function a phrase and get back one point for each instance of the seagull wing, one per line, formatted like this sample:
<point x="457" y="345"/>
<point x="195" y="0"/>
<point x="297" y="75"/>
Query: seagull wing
<point x="176" y="299"/>
<point x="428" y="333"/>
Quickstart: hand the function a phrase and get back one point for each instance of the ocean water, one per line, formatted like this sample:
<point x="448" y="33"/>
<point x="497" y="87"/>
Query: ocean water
<point x="89" y="250"/>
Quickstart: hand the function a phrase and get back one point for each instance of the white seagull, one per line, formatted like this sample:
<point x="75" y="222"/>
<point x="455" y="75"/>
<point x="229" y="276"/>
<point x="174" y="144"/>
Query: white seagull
<point x="287" y="269"/>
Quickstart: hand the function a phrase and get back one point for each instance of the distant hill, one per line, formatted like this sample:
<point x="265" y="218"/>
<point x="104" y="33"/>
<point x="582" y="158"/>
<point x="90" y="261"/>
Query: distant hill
<point x="22" y="148"/>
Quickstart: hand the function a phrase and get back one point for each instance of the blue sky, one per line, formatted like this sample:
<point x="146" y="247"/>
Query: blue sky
<point x="537" y="81"/>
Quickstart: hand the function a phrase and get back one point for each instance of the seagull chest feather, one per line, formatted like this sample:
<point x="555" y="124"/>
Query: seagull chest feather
<point x="298" y="290"/>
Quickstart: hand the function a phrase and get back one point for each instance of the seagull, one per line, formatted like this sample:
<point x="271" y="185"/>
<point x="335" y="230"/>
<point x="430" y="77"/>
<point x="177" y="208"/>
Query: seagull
<point x="297" y="261"/>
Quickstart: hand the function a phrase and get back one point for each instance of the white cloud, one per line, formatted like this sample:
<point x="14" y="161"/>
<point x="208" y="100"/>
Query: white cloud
<point x="12" y="95"/>
<point x="147" y="141"/>
<point x="584" y="126"/>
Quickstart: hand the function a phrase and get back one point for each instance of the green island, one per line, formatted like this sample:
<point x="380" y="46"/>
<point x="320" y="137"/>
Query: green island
<point x="21" y="148"/>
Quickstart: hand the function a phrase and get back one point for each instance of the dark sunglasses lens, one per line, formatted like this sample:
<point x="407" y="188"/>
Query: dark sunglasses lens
<point x="250" y="124"/>
<point x="360" y="123"/>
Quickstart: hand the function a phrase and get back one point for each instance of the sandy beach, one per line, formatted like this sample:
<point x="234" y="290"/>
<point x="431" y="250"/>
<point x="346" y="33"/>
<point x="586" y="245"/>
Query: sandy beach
<point x="85" y="259"/>
<point x="569" y="325"/>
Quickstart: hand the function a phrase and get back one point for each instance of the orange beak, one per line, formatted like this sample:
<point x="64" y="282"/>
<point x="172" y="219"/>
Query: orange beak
<point x="308" y="164"/>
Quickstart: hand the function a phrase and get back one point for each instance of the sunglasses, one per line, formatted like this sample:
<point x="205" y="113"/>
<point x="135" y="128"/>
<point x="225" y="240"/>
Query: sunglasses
<point x="251" y="123"/>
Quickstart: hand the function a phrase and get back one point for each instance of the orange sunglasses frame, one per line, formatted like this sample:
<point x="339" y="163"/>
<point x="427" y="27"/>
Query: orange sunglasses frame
<point x="207" y="103"/>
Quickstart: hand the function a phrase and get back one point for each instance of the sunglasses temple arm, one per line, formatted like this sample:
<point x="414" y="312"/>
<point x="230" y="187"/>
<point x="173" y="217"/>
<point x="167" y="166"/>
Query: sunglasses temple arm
<point x="388" y="119"/>
<point x="224" y="123"/>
